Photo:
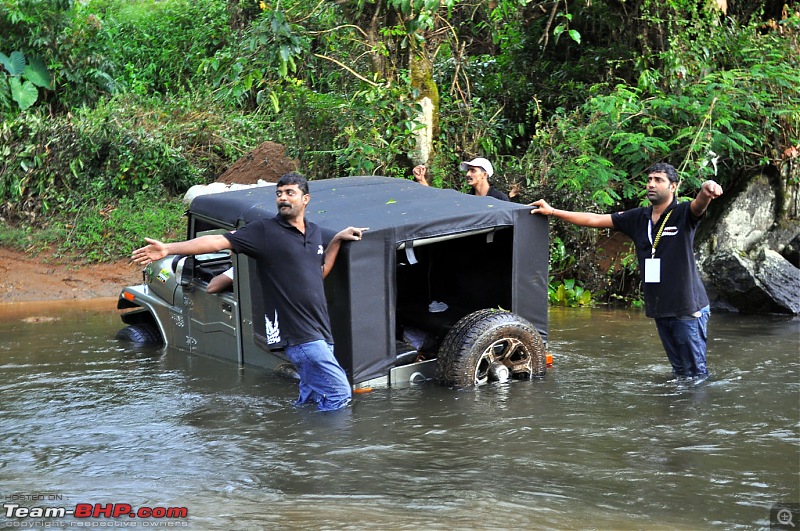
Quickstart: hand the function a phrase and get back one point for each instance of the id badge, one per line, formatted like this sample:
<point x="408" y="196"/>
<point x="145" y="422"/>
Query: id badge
<point x="652" y="270"/>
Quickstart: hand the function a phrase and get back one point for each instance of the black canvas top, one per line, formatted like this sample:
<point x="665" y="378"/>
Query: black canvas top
<point x="412" y="210"/>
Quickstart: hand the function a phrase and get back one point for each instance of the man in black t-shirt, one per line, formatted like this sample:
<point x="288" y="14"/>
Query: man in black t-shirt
<point x="664" y="238"/>
<point x="292" y="262"/>
<point x="477" y="175"/>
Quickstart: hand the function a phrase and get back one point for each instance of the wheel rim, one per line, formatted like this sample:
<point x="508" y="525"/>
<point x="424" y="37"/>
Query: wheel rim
<point x="509" y="351"/>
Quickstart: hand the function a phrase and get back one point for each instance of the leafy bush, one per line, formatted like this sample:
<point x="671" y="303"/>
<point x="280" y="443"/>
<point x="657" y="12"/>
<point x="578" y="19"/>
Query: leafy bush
<point x="366" y="133"/>
<point x="159" y="46"/>
<point x="100" y="232"/>
<point x="21" y="81"/>
<point x="569" y="293"/>
<point x="108" y="232"/>
<point x="64" y="36"/>
<point x="739" y="105"/>
<point x="121" y="146"/>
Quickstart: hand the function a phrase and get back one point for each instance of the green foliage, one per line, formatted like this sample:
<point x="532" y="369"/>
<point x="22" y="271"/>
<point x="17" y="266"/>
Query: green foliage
<point x="107" y="232"/>
<point x="26" y="238"/>
<point x="563" y="26"/>
<point x="247" y="72"/>
<point x="104" y="232"/>
<point x="603" y="146"/>
<point x="367" y="133"/>
<point x="22" y="78"/>
<point x="60" y="38"/>
<point x="568" y="293"/>
<point x="561" y="260"/>
<point x="564" y="292"/>
<point x="114" y="150"/>
<point x="158" y="46"/>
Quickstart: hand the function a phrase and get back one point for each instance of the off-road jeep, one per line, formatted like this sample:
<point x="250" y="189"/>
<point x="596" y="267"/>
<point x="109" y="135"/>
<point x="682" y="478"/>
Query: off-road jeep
<point x="443" y="284"/>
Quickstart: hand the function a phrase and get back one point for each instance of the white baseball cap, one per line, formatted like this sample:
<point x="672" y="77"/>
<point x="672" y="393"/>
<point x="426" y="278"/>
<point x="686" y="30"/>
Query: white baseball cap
<point x="480" y="163"/>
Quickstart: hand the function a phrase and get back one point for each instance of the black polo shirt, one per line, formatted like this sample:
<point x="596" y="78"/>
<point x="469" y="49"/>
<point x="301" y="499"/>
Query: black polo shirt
<point x="290" y="270"/>
<point x="681" y="291"/>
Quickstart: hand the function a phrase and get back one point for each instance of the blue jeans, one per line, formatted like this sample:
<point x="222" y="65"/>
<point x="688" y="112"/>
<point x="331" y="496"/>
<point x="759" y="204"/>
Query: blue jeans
<point x="322" y="379"/>
<point x="684" y="338"/>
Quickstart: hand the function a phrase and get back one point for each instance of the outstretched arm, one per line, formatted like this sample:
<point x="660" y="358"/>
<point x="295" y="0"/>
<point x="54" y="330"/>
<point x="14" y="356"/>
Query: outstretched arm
<point x="156" y="250"/>
<point x="709" y="191"/>
<point x="584" y="219"/>
<point x="332" y="251"/>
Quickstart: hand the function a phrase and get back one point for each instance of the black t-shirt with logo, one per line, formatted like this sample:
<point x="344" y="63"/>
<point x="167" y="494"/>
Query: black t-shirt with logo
<point x="681" y="291"/>
<point x="290" y="270"/>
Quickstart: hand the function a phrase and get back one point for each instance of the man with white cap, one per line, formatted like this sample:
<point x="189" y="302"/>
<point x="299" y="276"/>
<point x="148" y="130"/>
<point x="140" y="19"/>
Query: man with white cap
<point x="478" y="172"/>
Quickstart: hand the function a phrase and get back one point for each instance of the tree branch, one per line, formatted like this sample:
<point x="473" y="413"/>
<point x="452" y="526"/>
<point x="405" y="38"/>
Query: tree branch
<point x="356" y="74"/>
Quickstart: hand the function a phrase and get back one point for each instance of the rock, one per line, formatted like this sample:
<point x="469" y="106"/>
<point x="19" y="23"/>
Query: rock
<point x="791" y="251"/>
<point x="767" y="285"/>
<point x="748" y="218"/>
<point x="750" y="260"/>
<point x="781" y="280"/>
<point x="786" y="240"/>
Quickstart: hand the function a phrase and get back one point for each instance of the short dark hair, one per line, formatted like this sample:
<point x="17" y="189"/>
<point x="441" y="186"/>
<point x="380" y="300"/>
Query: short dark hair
<point x="294" y="178"/>
<point x="669" y="169"/>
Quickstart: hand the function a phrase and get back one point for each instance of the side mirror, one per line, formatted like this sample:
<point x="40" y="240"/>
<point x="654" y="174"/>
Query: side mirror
<point x="186" y="269"/>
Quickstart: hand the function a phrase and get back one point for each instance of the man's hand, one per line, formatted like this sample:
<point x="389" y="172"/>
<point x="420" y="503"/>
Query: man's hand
<point x="708" y="190"/>
<point x="419" y="174"/>
<point x="711" y="189"/>
<point x="155" y="250"/>
<point x="351" y="233"/>
<point x="542" y="208"/>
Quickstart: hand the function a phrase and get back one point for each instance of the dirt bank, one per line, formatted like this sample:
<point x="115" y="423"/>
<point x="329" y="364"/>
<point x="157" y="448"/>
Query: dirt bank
<point x="43" y="278"/>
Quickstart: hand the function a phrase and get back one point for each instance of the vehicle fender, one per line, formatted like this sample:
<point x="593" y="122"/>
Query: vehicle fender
<point x="140" y="305"/>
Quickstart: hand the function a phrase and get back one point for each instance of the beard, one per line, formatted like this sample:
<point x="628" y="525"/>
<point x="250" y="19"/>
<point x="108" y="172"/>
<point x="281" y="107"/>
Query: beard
<point x="658" y="198"/>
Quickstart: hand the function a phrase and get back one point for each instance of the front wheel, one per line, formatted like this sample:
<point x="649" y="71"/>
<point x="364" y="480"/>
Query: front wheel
<point x="140" y="334"/>
<point x="487" y="345"/>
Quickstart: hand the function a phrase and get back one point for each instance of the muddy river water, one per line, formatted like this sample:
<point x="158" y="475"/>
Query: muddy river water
<point x="607" y="440"/>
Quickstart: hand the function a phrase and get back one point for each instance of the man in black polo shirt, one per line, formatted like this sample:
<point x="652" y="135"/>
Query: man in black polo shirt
<point x="292" y="262"/>
<point x="478" y="172"/>
<point x="664" y="238"/>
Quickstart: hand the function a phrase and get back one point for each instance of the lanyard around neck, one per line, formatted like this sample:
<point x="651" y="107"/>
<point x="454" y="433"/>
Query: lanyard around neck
<point x="658" y="234"/>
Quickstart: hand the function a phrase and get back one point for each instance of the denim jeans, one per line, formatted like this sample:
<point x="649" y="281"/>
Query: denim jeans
<point x="322" y="380"/>
<point x="684" y="338"/>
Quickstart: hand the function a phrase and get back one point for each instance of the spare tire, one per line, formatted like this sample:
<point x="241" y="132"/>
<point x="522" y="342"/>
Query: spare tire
<point x="490" y="337"/>
<point x="140" y="334"/>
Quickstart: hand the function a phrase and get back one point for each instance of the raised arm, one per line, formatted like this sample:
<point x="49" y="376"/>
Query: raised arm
<point x="709" y="191"/>
<point x="332" y="251"/>
<point x="156" y="250"/>
<point x="419" y="175"/>
<point x="583" y="219"/>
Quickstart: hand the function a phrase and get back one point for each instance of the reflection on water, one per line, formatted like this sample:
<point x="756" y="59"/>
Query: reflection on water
<point x="606" y="440"/>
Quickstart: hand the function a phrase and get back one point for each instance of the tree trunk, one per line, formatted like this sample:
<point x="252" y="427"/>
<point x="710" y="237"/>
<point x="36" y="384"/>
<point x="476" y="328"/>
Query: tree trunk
<point x="422" y="80"/>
